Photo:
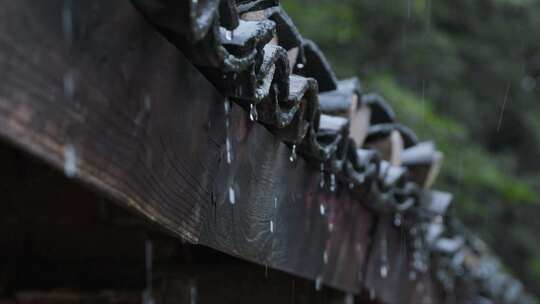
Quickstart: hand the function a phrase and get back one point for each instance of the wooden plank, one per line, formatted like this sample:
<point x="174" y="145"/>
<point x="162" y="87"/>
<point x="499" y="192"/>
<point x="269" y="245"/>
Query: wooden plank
<point x="94" y="90"/>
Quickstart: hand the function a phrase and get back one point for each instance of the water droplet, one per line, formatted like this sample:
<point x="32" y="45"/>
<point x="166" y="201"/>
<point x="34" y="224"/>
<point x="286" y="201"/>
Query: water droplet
<point x="293" y="155"/>
<point x="232" y="196"/>
<point x="229" y="150"/>
<point x="322" y="209"/>
<point x="384" y="271"/>
<point x="272" y="226"/>
<point x="384" y="257"/>
<point x="67" y="22"/>
<point x="227" y="106"/>
<point x="70" y="161"/>
<point x="362" y="178"/>
<point x="322" y="182"/>
<point x="275" y="202"/>
<point x="300" y="66"/>
<point x="228" y="35"/>
<point x="69" y="85"/>
<point x="325" y="257"/>
<point x="397" y="219"/>
<point x="228" y="144"/>
<point x="333" y="184"/>
<point x="253" y="115"/>
<point x="318" y="283"/>
<point x="331" y="227"/>
<point x="349" y="298"/>
<point x="193" y="294"/>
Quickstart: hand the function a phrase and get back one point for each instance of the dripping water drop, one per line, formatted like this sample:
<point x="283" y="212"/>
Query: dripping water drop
<point x="228" y="35"/>
<point x="272" y="226"/>
<point x="253" y="115"/>
<point x="333" y="185"/>
<point x="325" y="257"/>
<point x="300" y="66"/>
<point x="293" y="155"/>
<point x="318" y="283"/>
<point x="70" y="161"/>
<point x="384" y="271"/>
<point x="232" y="196"/>
<point x="193" y="294"/>
<point x="322" y="182"/>
<point x="322" y="209"/>
<point x="397" y="219"/>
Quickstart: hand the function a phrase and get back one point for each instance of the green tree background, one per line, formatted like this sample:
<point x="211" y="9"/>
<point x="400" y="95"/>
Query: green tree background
<point x="465" y="73"/>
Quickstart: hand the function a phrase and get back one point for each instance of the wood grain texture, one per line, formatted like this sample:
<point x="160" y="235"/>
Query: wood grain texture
<point x="115" y="99"/>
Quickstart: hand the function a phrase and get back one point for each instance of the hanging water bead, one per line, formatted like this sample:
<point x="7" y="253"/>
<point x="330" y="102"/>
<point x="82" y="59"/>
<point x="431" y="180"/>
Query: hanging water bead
<point x="321" y="183"/>
<point x="228" y="35"/>
<point x="253" y="115"/>
<point x="397" y="219"/>
<point x="333" y="185"/>
<point x="318" y="283"/>
<point x="228" y="144"/>
<point x="293" y="155"/>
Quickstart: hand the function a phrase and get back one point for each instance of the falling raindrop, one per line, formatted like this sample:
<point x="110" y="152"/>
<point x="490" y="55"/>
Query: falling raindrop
<point x="397" y="219"/>
<point x="333" y="184"/>
<point x="69" y="85"/>
<point x="331" y="227"/>
<point x="372" y="294"/>
<point x="67" y="22"/>
<point x="300" y="66"/>
<point x="227" y="106"/>
<point x="325" y="257"/>
<point x="321" y="183"/>
<point x="322" y="209"/>
<point x="193" y="294"/>
<point x="70" y="161"/>
<point x="272" y="226"/>
<point x="293" y="155"/>
<point x="349" y="298"/>
<point x="275" y="202"/>
<point x="318" y="283"/>
<point x="228" y="144"/>
<point x="232" y="196"/>
<point x="384" y="257"/>
<point x="229" y="148"/>
<point x="253" y="115"/>
<point x="384" y="271"/>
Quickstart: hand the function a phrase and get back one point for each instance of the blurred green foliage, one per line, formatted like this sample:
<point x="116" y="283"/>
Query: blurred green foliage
<point x="463" y="73"/>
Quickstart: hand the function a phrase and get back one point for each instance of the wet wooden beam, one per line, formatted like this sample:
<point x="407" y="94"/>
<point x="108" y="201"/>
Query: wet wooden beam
<point x="92" y="89"/>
